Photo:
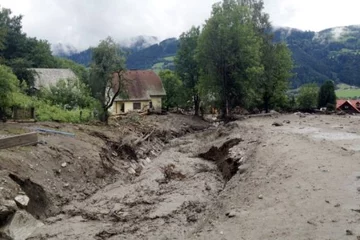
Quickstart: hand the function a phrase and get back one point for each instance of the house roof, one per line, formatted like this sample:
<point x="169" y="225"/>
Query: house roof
<point x="141" y="85"/>
<point x="353" y="104"/>
<point x="44" y="77"/>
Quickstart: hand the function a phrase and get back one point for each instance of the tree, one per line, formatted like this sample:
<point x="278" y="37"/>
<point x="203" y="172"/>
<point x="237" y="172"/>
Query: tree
<point x="186" y="64"/>
<point x="69" y="94"/>
<point x="106" y="74"/>
<point x="308" y="95"/>
<point x="274" y="82"/>
<point x="175" y="91"/>
<point x="229" y="53"/>
<point x="10" y="92"/>
<point x="327" y="95"/>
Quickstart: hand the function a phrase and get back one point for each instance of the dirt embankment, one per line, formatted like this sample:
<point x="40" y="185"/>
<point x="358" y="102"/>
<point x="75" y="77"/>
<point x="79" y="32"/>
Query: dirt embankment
<point x="168" y="197"/>
<point x="61" y="169"/>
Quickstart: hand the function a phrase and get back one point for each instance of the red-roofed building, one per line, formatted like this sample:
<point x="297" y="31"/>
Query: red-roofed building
<point x="143" y="90"/>
<point x="348" y="106"/>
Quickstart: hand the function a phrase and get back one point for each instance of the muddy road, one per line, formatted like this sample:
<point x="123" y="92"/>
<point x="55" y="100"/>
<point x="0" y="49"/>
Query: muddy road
<point x="243" y="180"/>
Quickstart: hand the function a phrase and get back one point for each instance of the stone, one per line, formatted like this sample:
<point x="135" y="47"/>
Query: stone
<point x="337" y="205"/>
<point x="231" y="214"/>
<point x="243" y="168"/>
<point x="349" y="233"/>
<point x="287" y="121"/>
<point x="21" y="226"/>
<point x="358" y="189"/>
<point x="148" y="160"/>
<point x="64" y="164"/>
<point x="22" y="200"/>
<point x="261" y="196"/>
<point x="277" y="124"/>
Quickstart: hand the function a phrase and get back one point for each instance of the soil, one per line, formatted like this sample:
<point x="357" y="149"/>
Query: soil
<point x="178" y="177"/>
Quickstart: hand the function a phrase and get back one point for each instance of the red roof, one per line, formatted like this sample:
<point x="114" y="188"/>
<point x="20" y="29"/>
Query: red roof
<point x="354" y="103"/>
<point x="142" y="84"/>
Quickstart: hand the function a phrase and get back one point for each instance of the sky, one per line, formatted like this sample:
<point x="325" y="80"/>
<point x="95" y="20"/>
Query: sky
<point x="83" y="23"/>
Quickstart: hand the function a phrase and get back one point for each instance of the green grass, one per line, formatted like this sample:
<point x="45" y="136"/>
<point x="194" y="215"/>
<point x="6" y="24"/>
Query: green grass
<point x="158" y="65"/>
<point x="348" y="93"/>
<point x="170" y="59"/>
<point x="343" y="86"/>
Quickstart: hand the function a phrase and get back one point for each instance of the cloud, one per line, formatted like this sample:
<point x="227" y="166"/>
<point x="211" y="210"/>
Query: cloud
<point x="84" y="22"/>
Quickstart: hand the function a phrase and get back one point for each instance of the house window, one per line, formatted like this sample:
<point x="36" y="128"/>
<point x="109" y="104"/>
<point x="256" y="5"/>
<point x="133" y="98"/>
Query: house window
<point x="358" y="105"/>
<point x="150" y="105"/>
<point x="137" y="106"/>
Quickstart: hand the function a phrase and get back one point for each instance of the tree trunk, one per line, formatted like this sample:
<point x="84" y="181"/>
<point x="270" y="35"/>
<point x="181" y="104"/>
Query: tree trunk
<point x="197" y="104"/>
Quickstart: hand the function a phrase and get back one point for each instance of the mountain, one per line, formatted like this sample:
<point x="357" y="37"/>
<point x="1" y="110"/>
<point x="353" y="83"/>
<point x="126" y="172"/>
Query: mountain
<point x="156" y="56"/>
<point x="318" y="56"/>
<point x="329" y="54"/>
<point x="63" y="50"/>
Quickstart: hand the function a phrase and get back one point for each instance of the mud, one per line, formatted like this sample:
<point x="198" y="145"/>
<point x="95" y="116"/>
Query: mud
<point x="165" y="200"/>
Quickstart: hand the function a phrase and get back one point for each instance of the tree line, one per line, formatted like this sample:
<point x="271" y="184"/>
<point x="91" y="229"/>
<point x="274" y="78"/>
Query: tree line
<point x="231" y="61"/>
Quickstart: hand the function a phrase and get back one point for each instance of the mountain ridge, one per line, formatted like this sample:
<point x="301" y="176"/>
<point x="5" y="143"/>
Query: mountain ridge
<point x="332" y="53"/>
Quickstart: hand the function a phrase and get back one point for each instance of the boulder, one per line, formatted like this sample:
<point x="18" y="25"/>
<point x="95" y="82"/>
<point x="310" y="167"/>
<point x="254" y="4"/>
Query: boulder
<point x="21" y="226"/>
<point x="22" y="200"/>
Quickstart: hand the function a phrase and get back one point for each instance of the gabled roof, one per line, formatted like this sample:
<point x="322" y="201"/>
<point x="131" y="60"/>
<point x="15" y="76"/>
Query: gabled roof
<point x="142" y="85"/>
<point x="44" y="77"/>
<point x="352" y="103"/>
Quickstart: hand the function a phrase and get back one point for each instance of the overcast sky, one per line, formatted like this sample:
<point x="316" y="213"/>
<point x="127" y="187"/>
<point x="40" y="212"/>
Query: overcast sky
<point x="84" y="22"/>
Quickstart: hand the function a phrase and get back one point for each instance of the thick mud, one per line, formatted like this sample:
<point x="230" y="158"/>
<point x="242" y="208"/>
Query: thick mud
<point x="167" y="198"/>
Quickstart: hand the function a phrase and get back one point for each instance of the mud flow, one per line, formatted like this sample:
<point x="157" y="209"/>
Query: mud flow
<point x="149" y="184"/>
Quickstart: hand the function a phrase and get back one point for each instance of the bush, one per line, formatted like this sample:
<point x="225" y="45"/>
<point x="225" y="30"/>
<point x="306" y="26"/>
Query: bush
<point x="47" y="112"/>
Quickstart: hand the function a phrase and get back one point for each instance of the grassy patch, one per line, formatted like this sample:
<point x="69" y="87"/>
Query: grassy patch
<point x="170" y="59"/>
<point x="348" y="93"/>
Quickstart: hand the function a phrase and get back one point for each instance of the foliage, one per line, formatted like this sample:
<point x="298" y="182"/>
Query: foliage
<point x="308" y="97"/>
<point x="69" y="94"/>
<point x="327" y="96"/>
<point x="186" y="64"/>
<point x="229" y="53"/>
<point x="106" y="74"/>
<point x="47" y="112"/>
<point x="175" y="91"/>
<point x="80" y="71"/>
<point x="274" y="82"/>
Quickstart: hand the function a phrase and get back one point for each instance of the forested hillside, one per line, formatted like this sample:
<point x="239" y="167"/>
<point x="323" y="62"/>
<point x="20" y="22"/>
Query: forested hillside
<point x="318" y="56"/>
<point x="329" y="54"/>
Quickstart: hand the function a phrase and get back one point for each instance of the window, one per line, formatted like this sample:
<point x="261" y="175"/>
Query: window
<point x="150" y="105"/>
<point x="137" y="106"/>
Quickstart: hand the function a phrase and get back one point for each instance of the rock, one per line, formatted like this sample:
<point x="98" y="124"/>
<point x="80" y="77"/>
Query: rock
<point x="207" y="187"/>
<point x="64" y="164"/>
<point x="349" y="233"/>
<point x="277" y="124"/>
<point x="243" y="168"/>
<point x="287" y="121"/>
<point x="66" y="185"/>
<point x="261" y="196"/>
<point x="231" y="214"/>
<point x="21" y="226"/>
<point x="148" y="160"/>
<point x="22" y="200"/>
<point x="6" y="212"/>
<point x="344" y="149"/>
<point x="337" y="205"/>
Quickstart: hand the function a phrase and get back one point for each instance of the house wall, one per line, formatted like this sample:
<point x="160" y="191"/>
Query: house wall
<point x="129" y="106"/>
<point x="157" y="103"/>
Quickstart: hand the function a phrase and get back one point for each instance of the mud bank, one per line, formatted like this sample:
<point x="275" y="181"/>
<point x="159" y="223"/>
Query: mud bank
<point x="167" y="199"/>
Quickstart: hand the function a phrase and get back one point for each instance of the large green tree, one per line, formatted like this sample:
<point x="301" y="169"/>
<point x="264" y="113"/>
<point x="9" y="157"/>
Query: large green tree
<point x="229" y="54"/>
<point x="327" y="95"/>
<point x="308" y="96"/>
<point x="106" y="74"/>
<point x="175" y="92"/>
<point x="187" y="66"/>
<point x="274" y="82"/>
